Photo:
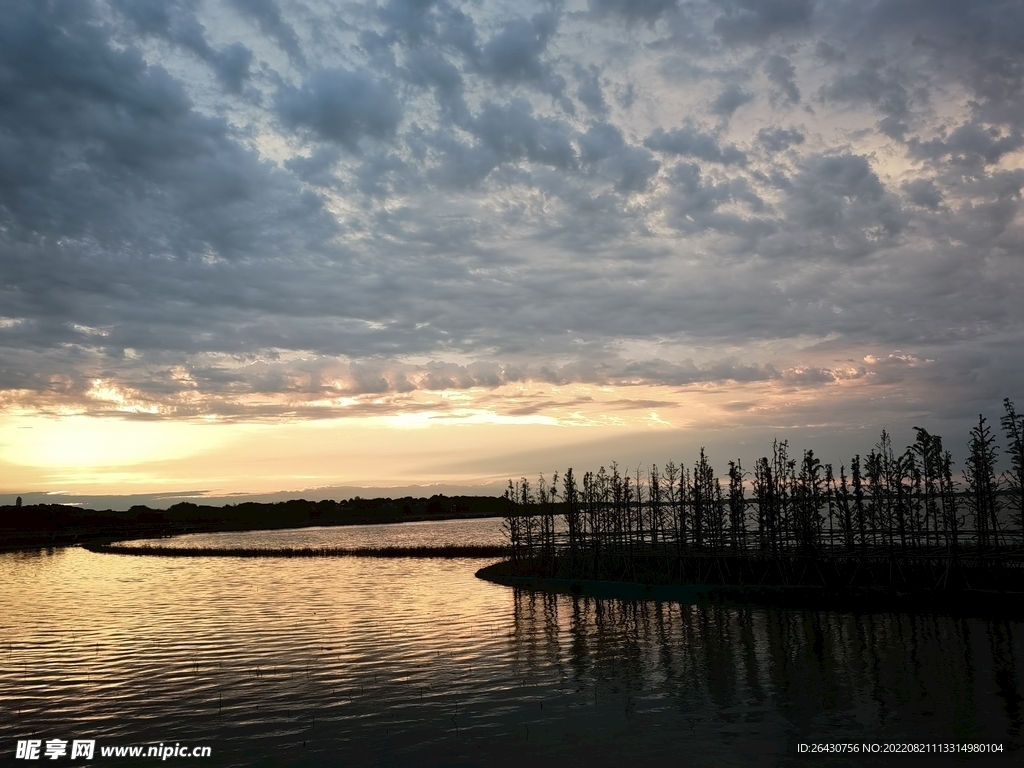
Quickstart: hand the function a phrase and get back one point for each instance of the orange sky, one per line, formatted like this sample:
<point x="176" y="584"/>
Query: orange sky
<point x="480" y="441"/>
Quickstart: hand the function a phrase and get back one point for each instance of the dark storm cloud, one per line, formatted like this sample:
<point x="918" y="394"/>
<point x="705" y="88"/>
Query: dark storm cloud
<point x="528" y="190"/>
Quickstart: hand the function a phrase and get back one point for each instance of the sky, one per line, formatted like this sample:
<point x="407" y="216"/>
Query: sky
<point x="253" y="247"/>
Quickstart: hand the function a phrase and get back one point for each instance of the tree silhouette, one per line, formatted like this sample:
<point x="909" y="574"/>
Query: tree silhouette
<point x="980" y="475"/>
<point x="1013" y="428"/>
<point x="892" y="518"/>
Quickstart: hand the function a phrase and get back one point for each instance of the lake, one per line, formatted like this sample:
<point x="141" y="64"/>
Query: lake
<point x="416" y="662"/>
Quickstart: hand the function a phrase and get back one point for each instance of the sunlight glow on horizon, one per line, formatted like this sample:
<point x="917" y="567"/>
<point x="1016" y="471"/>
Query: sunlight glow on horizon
<point x="474" y="443"/>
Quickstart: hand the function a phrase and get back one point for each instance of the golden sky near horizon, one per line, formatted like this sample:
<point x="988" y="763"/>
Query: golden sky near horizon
<point x="475" y="443"/>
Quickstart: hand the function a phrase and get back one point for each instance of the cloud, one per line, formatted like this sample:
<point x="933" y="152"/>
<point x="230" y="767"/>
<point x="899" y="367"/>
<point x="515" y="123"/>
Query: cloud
<point x="923" y="192"/>
<point x="277" y="211"/>
<point x="341" y="106"/>
<point x="177" y="23"/>
<point x="428" y="67"/>
<point x="754" y="21"/>
<point x="320" y="388"/>
<point x="869" y="86"/>
<point x="107" y="150"/>
<point x="828" y="52"/>
<point x="782" y="73"/>
<point x="268" y="18"/>
<point x="841" y="197"/>
<point x="512" y="132"/>
<point x="589" y="92"/>
<point x="514" y="54"/>
<point x="969" y="145"/>
<point x="412" y="20"/>
<point x="729" y="100"/>
<point x="779" y="139"/>
<point x="695" y="202"/>
<point x="647" y="11"/>
<point x="631" y="167"/>
<point x="318" y="168"/>
<point x="691" y="142"/>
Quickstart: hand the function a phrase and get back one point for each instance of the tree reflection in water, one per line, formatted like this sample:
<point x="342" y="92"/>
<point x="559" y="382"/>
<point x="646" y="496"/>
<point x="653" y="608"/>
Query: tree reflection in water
<point x="733" y="682"/>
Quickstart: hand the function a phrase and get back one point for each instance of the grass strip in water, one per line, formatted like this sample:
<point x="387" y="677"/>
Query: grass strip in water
<point x="450" y="551"/>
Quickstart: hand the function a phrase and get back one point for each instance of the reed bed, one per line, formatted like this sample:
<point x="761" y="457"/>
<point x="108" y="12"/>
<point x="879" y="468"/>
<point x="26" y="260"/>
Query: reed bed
<point x="452" y="551"/>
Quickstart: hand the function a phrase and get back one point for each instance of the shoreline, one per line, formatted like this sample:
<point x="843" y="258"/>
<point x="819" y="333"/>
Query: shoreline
<point x="100" y="535"/>
<point x="966" y="603"/>
<point x="468" y="551"/>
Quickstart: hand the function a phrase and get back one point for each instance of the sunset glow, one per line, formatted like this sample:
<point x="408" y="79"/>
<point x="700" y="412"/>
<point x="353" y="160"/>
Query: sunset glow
<point x="258" y="248"/>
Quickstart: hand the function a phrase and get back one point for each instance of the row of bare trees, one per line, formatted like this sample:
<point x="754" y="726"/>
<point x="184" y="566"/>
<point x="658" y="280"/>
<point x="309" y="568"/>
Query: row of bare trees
<point x="906" y="503"/>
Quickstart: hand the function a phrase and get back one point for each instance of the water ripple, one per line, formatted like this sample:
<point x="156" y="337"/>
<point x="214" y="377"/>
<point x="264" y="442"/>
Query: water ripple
<point x="417" y="662"/>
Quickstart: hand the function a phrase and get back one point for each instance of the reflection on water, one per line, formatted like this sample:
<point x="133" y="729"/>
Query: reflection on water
<point x="485" y="531"/>
<point x="417" y="662"/>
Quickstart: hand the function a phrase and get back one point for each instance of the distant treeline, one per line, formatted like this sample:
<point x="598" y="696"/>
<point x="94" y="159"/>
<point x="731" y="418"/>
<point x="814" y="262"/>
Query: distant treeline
<point x="59" y="524"/>
<point x="449" y="551"/>
<point x="908" y="514"/>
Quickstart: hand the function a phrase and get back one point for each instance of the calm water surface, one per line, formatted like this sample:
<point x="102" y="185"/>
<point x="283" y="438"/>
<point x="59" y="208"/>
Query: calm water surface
<point x="409" y="662"/>
<point x="440" y="533"/>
